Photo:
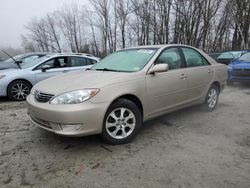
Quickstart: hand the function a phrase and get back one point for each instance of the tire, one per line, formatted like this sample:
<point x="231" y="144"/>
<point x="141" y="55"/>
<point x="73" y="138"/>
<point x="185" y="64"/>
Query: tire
<point x="122" y="122"/>
<point x="212" y="98"/>
<point x="18" y="90"/>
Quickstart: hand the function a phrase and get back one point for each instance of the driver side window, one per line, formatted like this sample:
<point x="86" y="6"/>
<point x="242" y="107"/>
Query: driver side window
<point x="59" y="62"/>
<point x="171" y="57"/>
<point x="49" y="62"/>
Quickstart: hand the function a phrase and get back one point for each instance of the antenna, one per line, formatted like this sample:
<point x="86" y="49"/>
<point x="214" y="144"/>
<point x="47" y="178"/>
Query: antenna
<point x="8" y="55"/>
<point x="18" y="64"/>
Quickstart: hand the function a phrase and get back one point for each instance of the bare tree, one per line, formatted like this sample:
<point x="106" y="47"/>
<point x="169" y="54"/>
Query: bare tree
<point x="123" y="10"/>
<point x="241" y="15"/>
<point x="110" y="24"/>
<point x="53" y="33"/>
<point x="71" y="27"/>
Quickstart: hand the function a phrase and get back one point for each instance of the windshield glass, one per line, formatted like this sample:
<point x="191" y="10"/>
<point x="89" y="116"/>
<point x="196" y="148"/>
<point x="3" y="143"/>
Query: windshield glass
<point x="245" y="57"/>
<point x="33" y="62"/>
<point x="131" y="60"/>
<point x="229" y="55"/>
<point x="10" y="60"/>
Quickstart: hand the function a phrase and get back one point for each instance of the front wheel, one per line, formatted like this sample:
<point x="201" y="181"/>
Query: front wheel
<point x="122" y="122"/>
<point x="18" y="90"/>
<point x="212" y="98"/>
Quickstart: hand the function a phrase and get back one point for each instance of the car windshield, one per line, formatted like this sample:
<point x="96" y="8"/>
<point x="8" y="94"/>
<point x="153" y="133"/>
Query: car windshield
<point x="33" y="62"/>
<point x="245" y="57"/>
<point x="131" y="60"/>
<point x="10" y="60"/>
<point x="229" y="55"/>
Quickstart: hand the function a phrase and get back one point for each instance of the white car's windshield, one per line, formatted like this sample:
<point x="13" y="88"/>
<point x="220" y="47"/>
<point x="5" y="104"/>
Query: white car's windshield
<point x="131" y="60"/>
<point x="33" y="62"/>
<point x="10" y="60"/>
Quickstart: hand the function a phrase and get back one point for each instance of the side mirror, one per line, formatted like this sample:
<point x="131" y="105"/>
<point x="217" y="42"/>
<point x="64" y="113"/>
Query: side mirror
<point x="45" y="67"/>
<point x="159" y="68"/>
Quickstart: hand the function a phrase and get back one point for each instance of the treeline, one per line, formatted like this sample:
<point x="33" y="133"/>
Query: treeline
<point x="103" y="26"/>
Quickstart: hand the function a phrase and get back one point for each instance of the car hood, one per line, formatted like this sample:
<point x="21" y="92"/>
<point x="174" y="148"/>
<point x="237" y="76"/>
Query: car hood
<point x="240" y="65"/>
<point x="7" y="71"/>
<point x="7" y="65"/>
<point x="83" y="79"/>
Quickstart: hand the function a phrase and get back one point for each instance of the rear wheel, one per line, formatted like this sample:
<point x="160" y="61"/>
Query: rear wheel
<point x="122" y="122"/>
<point x="18" y="90"/>
<point x="212" y="98"/>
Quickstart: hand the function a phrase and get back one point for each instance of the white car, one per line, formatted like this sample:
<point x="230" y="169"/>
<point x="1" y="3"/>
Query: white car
<point x="17" y="83"/>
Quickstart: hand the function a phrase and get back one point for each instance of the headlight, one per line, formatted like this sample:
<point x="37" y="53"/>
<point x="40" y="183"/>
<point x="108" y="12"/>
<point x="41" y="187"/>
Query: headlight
<point x="2" y="76"/>
<point x="74" y="97"/>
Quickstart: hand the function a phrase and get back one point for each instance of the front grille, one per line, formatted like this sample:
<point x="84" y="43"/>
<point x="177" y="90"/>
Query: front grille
<point x="41" y="122"/>
<point x="43" y="97"/>
<point x="241" y="72"/>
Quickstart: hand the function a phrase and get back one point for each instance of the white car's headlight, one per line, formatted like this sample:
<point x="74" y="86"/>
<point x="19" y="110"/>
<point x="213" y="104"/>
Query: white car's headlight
<point x="2" y="76"/>
<point x="74" y="97"/>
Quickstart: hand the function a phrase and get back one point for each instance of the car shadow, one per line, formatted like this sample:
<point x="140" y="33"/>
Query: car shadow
<point x="5" y="99"/>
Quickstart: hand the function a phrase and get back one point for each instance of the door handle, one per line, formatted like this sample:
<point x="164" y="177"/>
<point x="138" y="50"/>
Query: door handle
<point x="183" y="76"/>
<point x="65" y="71"/>
<point x="210" y="71"/>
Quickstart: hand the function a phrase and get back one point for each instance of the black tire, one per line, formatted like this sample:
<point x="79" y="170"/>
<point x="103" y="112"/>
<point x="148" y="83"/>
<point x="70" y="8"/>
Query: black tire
<point x="212" y="98"/>
<point x="117" y="127"/>
<point x="18" y="90"/>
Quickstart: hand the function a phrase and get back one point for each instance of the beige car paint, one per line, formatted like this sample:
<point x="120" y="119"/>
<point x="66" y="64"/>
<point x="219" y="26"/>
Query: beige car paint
<point x="159" y="93"/>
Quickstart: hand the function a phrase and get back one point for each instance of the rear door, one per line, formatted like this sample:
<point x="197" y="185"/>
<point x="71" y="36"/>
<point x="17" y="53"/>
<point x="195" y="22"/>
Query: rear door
<point x="166" y="90"/>
<point x="199" y="73"/>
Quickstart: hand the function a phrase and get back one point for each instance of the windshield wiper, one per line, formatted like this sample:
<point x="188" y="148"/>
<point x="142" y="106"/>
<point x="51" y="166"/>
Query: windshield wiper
<point x="106" y="69"/>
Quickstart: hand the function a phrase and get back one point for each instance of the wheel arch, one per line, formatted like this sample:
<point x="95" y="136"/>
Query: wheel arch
<point x="18" y="79"/>
<point x="217" y="84"/>
<point x="133" y="98"/>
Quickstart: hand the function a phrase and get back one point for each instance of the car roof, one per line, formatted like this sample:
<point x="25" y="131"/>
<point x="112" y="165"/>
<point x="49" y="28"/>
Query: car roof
<point x="75" y="55"/>
<point x="160" y="46"/>
<point x="36" y="53"/>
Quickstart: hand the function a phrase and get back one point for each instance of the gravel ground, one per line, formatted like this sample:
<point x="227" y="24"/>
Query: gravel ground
<point x="188" y="148"/>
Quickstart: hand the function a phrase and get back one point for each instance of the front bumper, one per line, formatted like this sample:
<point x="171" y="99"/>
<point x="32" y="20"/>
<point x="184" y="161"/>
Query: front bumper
<point x="68" y="120"/>
<point x="238" y="75"/>
<point x="2" y="89"/>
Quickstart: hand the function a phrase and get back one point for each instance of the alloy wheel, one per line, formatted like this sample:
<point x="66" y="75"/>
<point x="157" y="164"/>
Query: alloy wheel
<point x="120" y="123"/>
<point x="212" y="98"/>
<point x="20" y="91"/>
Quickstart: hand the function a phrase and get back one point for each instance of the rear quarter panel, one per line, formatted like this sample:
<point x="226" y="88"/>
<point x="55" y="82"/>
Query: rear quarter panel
<point x="220" y="73"/>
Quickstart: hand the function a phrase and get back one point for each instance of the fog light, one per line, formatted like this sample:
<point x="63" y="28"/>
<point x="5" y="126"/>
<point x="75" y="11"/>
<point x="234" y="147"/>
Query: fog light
<point x="75" y="127"/>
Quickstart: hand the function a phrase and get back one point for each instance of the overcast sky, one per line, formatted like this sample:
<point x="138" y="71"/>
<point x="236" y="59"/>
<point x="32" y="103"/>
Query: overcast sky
<point x="14" y="14"/>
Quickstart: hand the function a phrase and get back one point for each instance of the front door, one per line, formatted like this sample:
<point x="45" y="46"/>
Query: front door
<point x="54" y="67"/>
<point x="167" y="90"/>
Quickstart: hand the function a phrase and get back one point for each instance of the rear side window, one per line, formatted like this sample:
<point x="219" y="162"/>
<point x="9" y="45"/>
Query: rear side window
<point x="171" y="57"/>
<point x="193" y="58"/>
<point x="80" y="61"/>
